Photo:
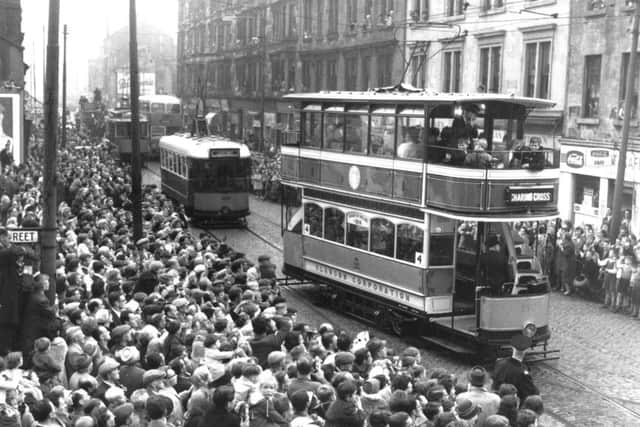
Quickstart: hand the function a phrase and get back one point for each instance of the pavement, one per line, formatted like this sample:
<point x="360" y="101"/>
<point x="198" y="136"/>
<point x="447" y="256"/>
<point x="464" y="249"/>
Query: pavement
<point x="596" y="382"/>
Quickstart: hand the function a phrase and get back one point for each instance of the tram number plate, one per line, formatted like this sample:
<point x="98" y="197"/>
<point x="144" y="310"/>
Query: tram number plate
<point x="527" y="195"/>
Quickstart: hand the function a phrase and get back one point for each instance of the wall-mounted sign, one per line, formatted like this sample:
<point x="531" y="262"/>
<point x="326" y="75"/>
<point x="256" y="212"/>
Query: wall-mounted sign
<point x="575" y="159"/>
<point x="21" y="236"/>
<point x="529" y="195"/>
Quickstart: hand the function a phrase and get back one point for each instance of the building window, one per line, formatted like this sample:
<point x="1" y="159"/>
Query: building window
<point x="451" y="71"/>
<point x="319" y="76"/>
<point x="277" y="75"/>
<point x="418" y="70"/>
<point x="332" y="74"/>
<point x="591" y="95"/>
<point x="537" y="69"/>
<point x="366" y="72"/>
<point x="333" y="17"/>
<point x="368" y="12"/>
<point x="307" y="13"/>
<point x="320" y="13"/>
<point x="384" y="69"/>
<point x="291" y="75"/>
<point x="490" y="65"/>
<point x="420" y="11"/>
<point x="492" y="4"/>
<point x="306" y="75"/>
<point x="623" y="89"/>
<point x="351" y="73"/>
<point x="352" y="15"/>
<point x="596" y="4"/>
<point x="386" y="12"/>
<point x="455" y="7"/>
<point x="292" y="28"/>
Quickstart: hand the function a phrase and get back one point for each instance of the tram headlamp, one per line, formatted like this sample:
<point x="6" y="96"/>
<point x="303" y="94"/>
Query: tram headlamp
<point x="529" y="330"/>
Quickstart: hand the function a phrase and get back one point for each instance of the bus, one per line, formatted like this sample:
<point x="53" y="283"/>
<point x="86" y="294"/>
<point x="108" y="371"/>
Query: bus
<point x="165" y="117"/>
<point x="209" y="175"/>
<point x="401" y="202"/>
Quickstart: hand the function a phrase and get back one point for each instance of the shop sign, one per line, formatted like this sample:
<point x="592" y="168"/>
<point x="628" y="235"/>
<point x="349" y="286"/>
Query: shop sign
<point x="575" y="159"/>
<point x="529" y="195"/>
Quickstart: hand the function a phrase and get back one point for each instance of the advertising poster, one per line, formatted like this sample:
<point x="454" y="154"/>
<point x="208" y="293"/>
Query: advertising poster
<point x="11" y="127"/>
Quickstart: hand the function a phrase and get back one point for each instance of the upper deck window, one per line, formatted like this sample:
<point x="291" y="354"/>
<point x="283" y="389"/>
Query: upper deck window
<point x="411" y="133"/>
<point x="157" y="107"/>
<point x="312" y="127"/>
<point x="334" y="128"/>
<point x="356" y="123"/>
<point x="383" y="122"/>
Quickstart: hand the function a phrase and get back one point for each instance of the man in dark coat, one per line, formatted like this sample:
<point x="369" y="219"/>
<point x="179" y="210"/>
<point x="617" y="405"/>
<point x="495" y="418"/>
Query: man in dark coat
<point x="493" y="265"/>
<point x="263" y="343"/>
<point x="512" y="370"/>
<point x="39" y="318"/>
<point x="345" y="411"/>
<point x="220" y="415"/>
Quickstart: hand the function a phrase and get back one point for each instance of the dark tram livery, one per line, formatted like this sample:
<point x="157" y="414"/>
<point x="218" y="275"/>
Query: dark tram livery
<point x="209" y="175"/>
<point x="118" y="131"/>
<point x="402" y="203"/>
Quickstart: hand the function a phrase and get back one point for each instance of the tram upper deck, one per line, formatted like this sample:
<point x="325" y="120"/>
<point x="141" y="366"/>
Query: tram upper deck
<point x="467" y="153"/>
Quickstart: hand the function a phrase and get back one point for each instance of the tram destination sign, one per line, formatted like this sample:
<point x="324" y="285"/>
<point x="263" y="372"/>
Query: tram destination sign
<point x="223" y="152"/>
<point x="529" y="195"/>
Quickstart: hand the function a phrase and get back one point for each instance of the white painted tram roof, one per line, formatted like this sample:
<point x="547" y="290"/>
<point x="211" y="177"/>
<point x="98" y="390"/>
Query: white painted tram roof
<point x="407" y="97"/>
<point x="198" y="147"/>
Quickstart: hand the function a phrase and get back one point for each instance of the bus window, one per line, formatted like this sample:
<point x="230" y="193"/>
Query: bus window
<point x="173" y="108"/>
<point x="334" y="225"/>
<point x="157" y="107"/>
<point x="357" y="230"/>
<point x="312" y="219"/>
<point x="383" y="236"/>
<point x="382" y="140"/>
<point x="411" y="134"/>
<point x="441" y="240"/>
<point x="410" y="243"/>
<point x="334" y="131"/>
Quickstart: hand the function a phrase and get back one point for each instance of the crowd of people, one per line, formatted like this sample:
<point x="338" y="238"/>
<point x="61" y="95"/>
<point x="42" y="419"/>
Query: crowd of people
<point x="181" y="330"/>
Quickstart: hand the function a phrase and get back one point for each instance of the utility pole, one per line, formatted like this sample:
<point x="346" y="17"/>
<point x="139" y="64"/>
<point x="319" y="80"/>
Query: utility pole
<point x="263" y="77"/>
<point x="136" y="161"/>
<point x="616" y="217"/>
<point x="63" y="139"/>
<point x="49" y="181"/>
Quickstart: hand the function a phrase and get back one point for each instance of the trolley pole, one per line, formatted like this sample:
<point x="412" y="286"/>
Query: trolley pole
<point x="616" y="217"/>
<point x="63" y="138"/>
<point x="136" y="161"/>
<point x="49" y="182"/>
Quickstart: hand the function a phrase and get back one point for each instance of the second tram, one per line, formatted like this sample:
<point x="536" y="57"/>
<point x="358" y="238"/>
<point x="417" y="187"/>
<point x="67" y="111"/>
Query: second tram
<point x="165" y="118"/>
<point x="118" y="131"/>
<point x="210" y="176"/>
<point x="403" y="204"/>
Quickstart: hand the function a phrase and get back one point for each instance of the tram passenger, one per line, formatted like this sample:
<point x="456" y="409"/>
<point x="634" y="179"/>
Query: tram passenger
<point x="493" y="265"/>
<point x="531" y="156"/>
<point x="479" y="158"/>
<point x="456" y="156"/>
<point x="353" y="137"/>
<point x="334" y="136"/>
<point x="412" y="147"/>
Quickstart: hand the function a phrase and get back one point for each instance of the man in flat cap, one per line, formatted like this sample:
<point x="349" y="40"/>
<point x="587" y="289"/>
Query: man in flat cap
<point x="512" y="370"/>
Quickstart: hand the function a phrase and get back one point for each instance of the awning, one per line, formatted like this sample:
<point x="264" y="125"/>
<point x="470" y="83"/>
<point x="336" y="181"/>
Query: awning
<point x="509" y="218"/>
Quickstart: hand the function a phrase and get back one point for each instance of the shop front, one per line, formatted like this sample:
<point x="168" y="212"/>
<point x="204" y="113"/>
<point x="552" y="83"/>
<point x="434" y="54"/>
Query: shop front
<point x="587" y="182"/>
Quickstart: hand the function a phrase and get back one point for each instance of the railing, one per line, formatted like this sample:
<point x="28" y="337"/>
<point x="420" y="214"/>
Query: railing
<point x="524" y="158"/>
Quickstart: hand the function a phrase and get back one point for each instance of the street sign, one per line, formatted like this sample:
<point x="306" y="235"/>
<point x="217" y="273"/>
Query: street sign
<point x="22" y="236"/>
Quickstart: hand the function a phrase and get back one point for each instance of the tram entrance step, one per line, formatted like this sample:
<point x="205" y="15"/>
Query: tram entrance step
<point x="450" y="345"/>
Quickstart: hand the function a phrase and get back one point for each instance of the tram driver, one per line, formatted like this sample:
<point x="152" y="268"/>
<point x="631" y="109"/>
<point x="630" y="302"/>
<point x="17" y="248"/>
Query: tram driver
<point x="493" y="265"/>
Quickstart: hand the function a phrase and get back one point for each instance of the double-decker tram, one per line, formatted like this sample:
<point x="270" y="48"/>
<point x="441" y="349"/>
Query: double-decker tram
<point x="210" y="176"/>
<point x="165" y="118"/>
<point x="118" y="131"/>
<point x="403" y="204"/>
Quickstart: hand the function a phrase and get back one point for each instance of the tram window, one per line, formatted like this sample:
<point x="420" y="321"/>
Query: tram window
<point x="441" y="240"/>
<point x="357" y="129"/>
<point x="334" y="131"/>
<point x="382" y="135"/>
<point x="312" y="129"/>
<point x="293" y="214"/>
<point x="174" y="108"/>
<point x="411" y="138"/>
<point x="358" y="231"/>
<point x="383" y="236"/>
<point x="312" y="219"/>
<point x="157" y="107"/>
<point x="334" y="225"/>
<point x="410" y="243"/>
<point x="123" y="130"/>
